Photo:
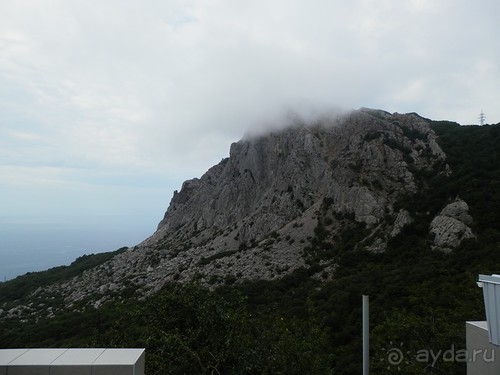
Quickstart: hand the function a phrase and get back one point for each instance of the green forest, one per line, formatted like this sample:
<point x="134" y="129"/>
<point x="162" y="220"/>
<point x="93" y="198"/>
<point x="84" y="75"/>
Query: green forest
<point x="420" y="298"/>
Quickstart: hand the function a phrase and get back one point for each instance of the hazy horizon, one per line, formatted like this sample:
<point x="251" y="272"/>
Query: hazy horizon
<point x="31" y="245"/>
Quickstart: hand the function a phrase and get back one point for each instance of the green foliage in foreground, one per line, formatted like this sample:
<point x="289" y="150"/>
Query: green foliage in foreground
<point x="420" y="299"/>
<point x="192" y="331"/>
<point x="189" y="330"/>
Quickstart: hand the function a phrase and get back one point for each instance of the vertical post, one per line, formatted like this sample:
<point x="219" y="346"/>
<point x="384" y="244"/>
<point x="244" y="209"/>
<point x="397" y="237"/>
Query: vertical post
<point x="366" y="335"/>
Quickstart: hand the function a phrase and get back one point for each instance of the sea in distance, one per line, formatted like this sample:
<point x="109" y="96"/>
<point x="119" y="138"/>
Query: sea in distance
<point x="31" y="245"/>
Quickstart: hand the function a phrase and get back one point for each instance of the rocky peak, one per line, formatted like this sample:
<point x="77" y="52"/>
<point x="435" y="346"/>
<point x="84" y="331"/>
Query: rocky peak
<point x="361" y="160"/>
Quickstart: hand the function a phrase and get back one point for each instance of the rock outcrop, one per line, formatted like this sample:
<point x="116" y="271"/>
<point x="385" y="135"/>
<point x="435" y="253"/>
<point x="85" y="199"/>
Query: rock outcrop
<point x="451" y="226"/>
<point x="253" y="215"/>
<point x="403" y="218"/>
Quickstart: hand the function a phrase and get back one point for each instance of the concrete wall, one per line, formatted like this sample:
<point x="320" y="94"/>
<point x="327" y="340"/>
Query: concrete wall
<point x="482" y="357"/>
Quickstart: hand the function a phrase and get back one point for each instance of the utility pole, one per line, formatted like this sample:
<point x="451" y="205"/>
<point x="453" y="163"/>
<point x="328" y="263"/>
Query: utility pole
<point x="482" y="118"/>
<point x="366" y="335"/>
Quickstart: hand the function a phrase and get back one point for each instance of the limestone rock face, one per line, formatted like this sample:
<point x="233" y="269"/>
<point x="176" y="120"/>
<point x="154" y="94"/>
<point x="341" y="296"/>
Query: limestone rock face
<point x="458" y="210"/>
<point x="450" y="226"/>
<point x="403" y="218"/>
<point x="360" y="161"/>
<point x="252" y="215"/>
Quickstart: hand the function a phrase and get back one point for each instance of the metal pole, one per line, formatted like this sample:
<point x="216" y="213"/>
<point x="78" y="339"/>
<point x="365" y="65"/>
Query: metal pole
<point x="366" y="335"/>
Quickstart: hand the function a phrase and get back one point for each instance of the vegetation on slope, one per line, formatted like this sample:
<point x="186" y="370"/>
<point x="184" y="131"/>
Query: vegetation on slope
<point x="420" y="299"/>
<point x="22" y="286"/>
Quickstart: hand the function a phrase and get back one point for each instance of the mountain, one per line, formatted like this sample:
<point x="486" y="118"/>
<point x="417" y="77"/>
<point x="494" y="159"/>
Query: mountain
<point x="251" y="216"/>
<point x="298" y="223"/>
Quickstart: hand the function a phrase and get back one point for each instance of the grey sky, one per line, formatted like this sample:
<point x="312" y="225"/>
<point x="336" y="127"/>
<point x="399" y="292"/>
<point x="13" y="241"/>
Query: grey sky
<point x="107" y="106"/>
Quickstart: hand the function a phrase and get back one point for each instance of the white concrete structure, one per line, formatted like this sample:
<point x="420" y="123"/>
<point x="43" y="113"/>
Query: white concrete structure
<point x="72" y="361"/>
<point x="483" y="338"/>
<point x="491" y="295"/>
<point x="483" y="358"/>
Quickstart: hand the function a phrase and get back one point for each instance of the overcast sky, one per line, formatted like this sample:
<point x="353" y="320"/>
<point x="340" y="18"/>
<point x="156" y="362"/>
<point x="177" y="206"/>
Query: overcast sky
<point x="107" y="106"/>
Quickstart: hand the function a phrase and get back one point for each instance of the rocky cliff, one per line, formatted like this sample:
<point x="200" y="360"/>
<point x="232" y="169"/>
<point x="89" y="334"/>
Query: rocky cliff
<point x="257" y="213"/>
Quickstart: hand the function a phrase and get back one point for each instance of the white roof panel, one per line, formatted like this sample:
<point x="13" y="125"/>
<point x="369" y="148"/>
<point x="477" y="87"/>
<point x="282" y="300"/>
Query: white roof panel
<point x="36" y="357"/>
<point x="479" y="324"/>
<point x="8" y="355"/>
<point x="78" y="356"/>
<point x="119" y="357"/>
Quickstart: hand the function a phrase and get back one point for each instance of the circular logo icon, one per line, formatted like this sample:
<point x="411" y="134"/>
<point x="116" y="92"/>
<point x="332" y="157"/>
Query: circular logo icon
<point x="395" y="356"/>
